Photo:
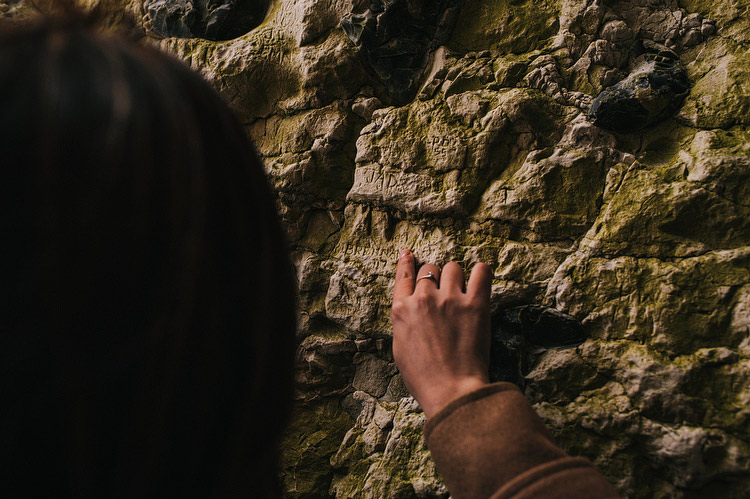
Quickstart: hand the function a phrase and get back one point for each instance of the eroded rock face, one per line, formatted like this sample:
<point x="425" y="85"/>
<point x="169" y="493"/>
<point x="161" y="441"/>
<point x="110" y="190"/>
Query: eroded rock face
<point x="521" y="334"/>
<point x="395" y="39"/>
<point x="653" y="91"/>
<point x="641" y="237"/>
<point x="209" y="19"/>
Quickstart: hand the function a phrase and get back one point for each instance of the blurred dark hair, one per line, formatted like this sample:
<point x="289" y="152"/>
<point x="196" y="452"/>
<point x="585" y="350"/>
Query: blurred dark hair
<point x="148" y="300"/>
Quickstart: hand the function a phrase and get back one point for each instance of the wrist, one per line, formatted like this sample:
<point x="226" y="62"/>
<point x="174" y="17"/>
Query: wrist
<point x="442" y="395"/>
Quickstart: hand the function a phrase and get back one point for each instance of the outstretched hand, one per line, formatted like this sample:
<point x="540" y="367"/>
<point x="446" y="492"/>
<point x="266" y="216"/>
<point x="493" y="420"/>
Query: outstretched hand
<point x="441" y="330"/>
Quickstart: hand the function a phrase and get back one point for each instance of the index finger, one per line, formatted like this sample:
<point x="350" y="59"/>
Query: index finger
<point x="405" y="274"/>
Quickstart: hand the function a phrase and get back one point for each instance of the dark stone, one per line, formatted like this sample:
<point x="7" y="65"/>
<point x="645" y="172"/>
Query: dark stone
<point x="653" y="91"/>
<point x="209" y="19"/>
<point x="520" y="334"/>
<point x="395" y="38"/>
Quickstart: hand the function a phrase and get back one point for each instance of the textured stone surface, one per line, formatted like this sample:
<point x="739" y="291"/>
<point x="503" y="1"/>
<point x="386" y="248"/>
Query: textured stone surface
<point x="643" y="237"/>
<point x="653" y="91"/>
<point x="210" y="19"/>
<point x="395" y="40"/>
<point x="520" y="334"/>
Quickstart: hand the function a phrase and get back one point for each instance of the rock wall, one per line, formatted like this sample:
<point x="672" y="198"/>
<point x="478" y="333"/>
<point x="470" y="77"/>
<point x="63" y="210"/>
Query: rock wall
<point x="465" y="130"/>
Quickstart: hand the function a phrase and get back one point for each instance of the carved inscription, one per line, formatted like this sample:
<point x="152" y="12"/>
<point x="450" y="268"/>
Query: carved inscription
<point x="267" y="44"/>
<point x="377" y="178"/>
<point x="445" y="152"/>
<point x="356" y="251"/>
<point x="372" y="182"/>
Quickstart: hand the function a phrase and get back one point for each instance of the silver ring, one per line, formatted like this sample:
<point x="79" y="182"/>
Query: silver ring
<point x="428" y="275"/>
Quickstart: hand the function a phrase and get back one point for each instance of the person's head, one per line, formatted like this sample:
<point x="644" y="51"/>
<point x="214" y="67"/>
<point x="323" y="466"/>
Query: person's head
<point x="148" y="301"/>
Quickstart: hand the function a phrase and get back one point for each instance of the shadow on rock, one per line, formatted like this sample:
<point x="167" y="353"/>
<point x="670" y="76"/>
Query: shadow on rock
<point x="210" y="19"/>
<point x="520" y="334"/>
<point x="654" y="90"/>
<point x="395" y="39"/>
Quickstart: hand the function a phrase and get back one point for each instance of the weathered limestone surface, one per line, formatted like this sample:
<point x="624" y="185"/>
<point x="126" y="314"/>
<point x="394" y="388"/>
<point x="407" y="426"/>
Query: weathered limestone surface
<point x="643" y="237"/>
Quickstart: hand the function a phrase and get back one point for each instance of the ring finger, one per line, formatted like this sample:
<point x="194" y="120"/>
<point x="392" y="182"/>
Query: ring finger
<point x="428" y="277"/>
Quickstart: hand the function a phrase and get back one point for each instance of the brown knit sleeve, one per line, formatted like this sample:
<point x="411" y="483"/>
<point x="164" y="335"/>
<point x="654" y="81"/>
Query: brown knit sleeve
<point x="491" y="444"/>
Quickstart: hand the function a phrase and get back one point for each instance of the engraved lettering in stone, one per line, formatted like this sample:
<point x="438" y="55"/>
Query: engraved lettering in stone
<point x="374" y="183"/>
<point x="267" y="44"/>
<point x="445" y="151"/>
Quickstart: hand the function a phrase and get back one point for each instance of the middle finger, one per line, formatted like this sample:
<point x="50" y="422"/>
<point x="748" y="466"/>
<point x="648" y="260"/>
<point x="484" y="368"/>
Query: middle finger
<point x="452" y="278"/>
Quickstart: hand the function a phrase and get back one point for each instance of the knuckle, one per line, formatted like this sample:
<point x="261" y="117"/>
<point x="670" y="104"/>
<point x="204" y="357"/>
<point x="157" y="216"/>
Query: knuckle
<point x="444" y="304"/>
<point x="423" y="301"/>
<point x="448" y="305"/>
<point x="398" y="308"/>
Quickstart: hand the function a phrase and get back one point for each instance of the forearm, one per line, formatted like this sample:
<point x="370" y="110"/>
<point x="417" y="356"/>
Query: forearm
<point x="491" y="443"/>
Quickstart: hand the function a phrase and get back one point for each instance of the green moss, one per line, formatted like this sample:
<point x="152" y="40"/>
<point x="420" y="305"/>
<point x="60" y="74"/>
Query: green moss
<point x="512" y="26"/>
<point x="312" y="438"/>
<point x="662" y="145"/>
<point x="720" y="96"/>
<point x="734" y="141"/>
<point x="718" y="10"/>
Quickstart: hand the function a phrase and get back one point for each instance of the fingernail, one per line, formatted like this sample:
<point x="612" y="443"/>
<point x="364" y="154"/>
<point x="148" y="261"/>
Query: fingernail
<point x="404" y="252"/>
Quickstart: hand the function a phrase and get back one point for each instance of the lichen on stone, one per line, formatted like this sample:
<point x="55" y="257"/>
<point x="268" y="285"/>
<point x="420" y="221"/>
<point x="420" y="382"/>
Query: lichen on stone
<point x="482" y="150"/>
